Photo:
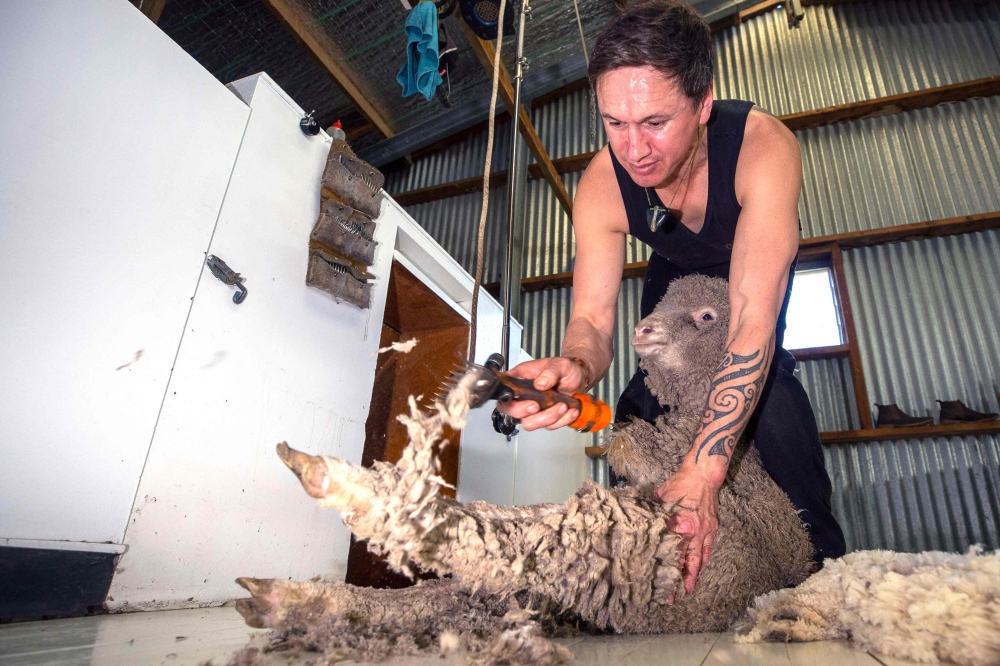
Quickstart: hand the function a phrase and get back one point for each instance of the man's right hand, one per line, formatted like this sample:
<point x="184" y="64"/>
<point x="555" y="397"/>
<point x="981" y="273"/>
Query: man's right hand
<point x="560" y="373"/>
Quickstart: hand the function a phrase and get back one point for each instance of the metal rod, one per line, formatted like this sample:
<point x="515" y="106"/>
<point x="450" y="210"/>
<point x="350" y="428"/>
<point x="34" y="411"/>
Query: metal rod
<point x="513" y="181"/>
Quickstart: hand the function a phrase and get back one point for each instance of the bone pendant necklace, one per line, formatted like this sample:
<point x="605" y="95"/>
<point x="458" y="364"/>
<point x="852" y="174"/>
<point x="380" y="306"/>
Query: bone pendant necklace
<point x="656" y="216"/>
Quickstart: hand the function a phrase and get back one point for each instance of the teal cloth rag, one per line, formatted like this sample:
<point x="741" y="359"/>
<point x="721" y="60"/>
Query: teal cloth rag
<point x="420" y="73"/>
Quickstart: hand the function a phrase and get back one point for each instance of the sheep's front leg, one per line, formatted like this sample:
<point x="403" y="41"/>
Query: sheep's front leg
<point x="400" y="512"/>
<point x="350" y="489"/>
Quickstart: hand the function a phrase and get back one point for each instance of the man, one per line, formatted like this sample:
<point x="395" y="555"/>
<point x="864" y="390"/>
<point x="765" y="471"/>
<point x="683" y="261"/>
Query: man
<point x="729" y="175"/>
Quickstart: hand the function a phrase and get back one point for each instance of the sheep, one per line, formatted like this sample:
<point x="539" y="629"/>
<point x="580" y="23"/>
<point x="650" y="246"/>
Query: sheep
<point x="606" y="559"/>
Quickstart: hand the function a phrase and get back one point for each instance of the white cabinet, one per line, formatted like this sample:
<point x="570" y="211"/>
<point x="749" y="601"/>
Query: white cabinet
<point x="116" y="151"/>
<point x="288" y="363"/>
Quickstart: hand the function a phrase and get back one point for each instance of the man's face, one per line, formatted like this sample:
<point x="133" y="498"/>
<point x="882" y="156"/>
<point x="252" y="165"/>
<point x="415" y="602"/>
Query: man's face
<point x="650" y="122"/>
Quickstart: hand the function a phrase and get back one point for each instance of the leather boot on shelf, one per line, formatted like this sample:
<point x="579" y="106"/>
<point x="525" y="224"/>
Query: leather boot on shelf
<point x="891" y="416"/>
<point x="953" y="411"/>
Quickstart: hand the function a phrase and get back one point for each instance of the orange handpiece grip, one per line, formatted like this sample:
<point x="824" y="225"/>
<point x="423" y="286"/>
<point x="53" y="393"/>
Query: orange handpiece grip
<point x="594" y="414"/>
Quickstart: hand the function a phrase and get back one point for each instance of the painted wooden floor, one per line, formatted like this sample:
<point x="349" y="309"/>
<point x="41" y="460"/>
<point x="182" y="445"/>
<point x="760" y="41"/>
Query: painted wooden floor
<point x="176" y="638"/>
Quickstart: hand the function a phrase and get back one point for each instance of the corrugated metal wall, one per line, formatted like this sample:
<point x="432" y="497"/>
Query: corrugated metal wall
<point x="926" y="310"/>
<point x="849" y="53"/>
<point x="931" y="313"/>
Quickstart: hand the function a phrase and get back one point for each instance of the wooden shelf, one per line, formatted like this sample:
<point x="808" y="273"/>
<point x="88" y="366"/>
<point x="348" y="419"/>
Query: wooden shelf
<point x="884" y="434"/>
<point x="820" y="353"/>
<point x="917" y="432"/>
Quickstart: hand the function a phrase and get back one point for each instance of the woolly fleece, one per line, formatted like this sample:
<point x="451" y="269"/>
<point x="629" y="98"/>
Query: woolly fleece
<point x="926" y="607"/>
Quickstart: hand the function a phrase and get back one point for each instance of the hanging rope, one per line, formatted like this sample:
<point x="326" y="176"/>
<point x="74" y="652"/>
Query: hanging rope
<point x="591" y="94"/>
<point x="486" y="187"/>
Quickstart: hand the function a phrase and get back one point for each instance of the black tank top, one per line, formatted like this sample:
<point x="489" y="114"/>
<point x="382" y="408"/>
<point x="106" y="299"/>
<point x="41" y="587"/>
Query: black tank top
<point x="678" y="251"/>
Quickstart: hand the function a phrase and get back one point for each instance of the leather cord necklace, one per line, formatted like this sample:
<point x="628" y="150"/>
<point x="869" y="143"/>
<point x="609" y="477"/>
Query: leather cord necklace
<point x="656" y="216"/>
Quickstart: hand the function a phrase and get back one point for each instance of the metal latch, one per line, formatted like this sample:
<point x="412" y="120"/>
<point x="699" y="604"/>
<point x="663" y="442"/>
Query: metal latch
<point x="227" y="275"/>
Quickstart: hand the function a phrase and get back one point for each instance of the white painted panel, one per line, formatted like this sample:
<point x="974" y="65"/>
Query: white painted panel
<point x="551" y="464"/>
<point x="487" y="459"/>
<point x="438" y="267"/>
<point x="289" y="363"/>
<point x="116" y="151"/>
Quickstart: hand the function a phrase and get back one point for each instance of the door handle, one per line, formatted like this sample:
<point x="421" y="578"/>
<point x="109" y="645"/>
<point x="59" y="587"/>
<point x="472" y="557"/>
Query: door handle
<point x="228" y="276"/>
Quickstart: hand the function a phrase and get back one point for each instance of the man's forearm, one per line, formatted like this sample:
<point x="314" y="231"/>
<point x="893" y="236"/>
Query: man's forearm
<point x="732" y="399"/>
<point x="586" y="341"/>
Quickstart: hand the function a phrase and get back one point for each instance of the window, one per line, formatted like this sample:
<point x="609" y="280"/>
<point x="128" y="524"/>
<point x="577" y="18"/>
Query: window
<point x="813" y="316"/>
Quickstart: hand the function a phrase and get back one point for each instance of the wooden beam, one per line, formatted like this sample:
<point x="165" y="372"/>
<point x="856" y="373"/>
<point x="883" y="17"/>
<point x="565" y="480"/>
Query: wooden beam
<point x="913" y="432"/>
<point x="736" y="19"/>
<point x="484" y="52"/>
<point x="814" y="252"/>
<point x="920" y="99"/>
<point x="559" y="280"/>
<point x="455" y="188"/>
<point x="152" y="9"/>
<point x="951" y="226"/>
<point x="821" y="353"/>
<point x="821" y="246"/>
<point x="324" y="53"/>
<point x="355" y="131"/>
<point x="851" y="333"/>
<point x="451" y="189"/>
<point x="882" y="434"/>
<point x="457" y="137"/>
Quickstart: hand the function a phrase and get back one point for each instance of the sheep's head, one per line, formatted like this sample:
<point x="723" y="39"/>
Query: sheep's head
<point x="681" y="342"/>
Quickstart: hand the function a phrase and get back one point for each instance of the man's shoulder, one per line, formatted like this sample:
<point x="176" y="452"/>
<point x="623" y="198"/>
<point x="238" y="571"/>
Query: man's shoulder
<point x="765" y="130"/>
<point x="600" y="165"/>
<point x="599" y="175"/>
<point x="598" y="198"/>
<point x="770" y="150"/>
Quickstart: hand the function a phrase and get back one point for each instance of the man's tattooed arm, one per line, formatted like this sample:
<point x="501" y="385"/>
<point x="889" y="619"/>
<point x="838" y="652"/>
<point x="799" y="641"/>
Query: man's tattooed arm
<point x="734" y="394"/>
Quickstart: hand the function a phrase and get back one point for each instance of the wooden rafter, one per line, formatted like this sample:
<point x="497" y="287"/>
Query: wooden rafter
<point x="821" y="246"/>
<point x="911" y="101"/>
<point x="920" y="99"/>
<point x="484" y="52"/>
<point x="324" y="53"/>
<point x="151" y="8"/>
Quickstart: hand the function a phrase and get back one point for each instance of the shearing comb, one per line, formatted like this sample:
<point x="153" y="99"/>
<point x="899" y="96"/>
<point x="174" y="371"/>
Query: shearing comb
<point x="493" y="384"/>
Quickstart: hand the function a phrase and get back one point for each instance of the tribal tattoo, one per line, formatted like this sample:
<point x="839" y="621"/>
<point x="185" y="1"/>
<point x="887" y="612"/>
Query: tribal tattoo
<point x="735" y="389"/>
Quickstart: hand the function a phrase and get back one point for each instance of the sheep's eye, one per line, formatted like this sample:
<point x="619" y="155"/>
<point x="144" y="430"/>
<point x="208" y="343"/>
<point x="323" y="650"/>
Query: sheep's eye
<point x="707" y="317"/>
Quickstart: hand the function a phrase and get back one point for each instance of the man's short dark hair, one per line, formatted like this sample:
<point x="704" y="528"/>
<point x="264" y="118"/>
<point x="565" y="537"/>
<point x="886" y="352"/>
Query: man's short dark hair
<point x="666" y="35"/>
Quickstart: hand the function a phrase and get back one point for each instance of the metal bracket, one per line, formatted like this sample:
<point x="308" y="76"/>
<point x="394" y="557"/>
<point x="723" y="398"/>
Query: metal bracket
<point x="228" y="276"/>
<point x="308" y="125"/>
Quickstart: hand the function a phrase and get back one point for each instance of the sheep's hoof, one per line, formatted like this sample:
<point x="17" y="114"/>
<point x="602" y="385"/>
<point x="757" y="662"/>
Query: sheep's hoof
<point x="259" y="610"/>
<point x="311" y="470"/>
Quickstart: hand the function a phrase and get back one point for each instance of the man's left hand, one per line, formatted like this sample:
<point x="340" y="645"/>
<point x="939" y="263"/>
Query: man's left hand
<point x="696" y="518"/>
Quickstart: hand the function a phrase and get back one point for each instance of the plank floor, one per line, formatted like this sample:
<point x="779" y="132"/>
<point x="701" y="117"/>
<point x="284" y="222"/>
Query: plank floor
<point x="182" y="637"/>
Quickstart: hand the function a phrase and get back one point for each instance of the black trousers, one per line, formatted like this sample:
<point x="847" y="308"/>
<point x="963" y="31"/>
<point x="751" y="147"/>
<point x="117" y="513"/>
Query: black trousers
<point x="783" y="428"/>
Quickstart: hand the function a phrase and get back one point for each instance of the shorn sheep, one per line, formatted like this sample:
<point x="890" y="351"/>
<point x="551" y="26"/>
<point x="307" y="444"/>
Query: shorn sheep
<point x="605" y="560"/>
